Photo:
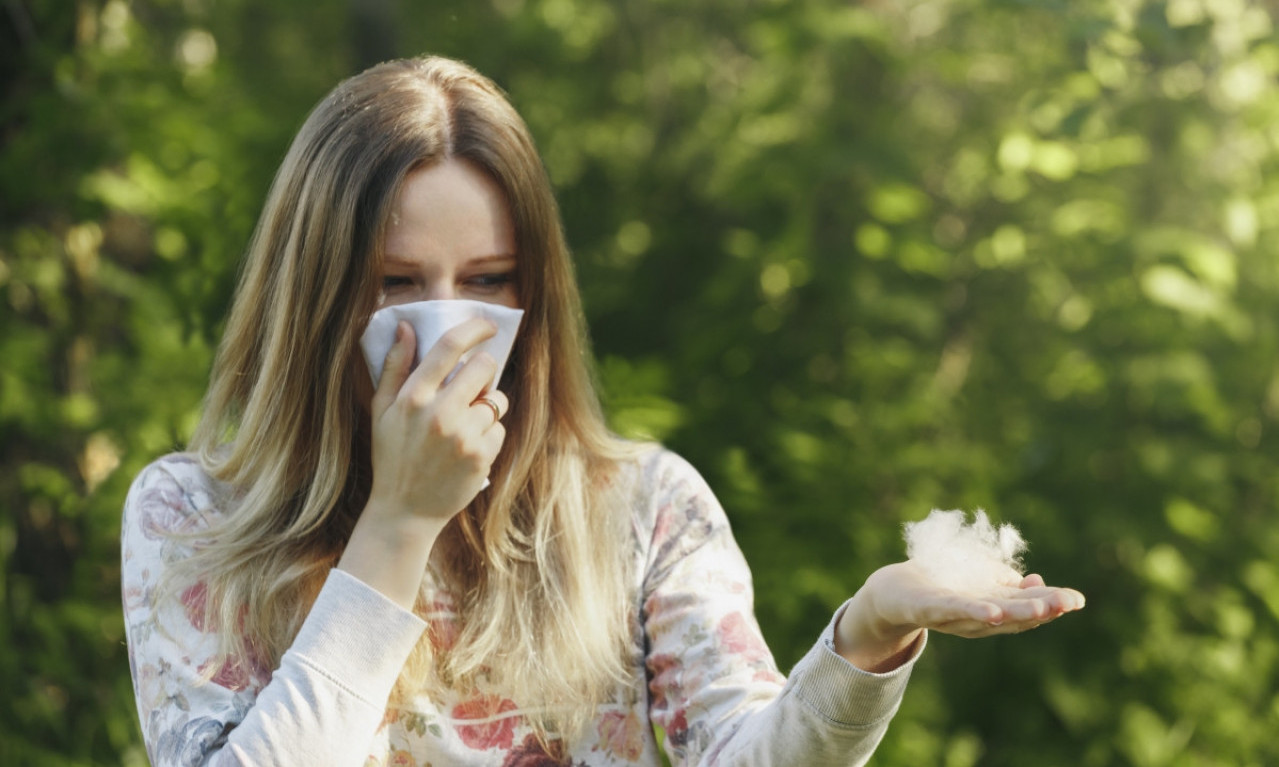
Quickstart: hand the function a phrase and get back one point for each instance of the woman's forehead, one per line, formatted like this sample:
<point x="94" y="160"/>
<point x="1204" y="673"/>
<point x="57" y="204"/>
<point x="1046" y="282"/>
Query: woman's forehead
<point x="450" y="208"/>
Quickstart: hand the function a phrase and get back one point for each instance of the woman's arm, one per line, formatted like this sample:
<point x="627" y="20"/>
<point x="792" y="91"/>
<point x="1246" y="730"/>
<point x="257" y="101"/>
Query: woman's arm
<point x="713" y="685"/>
<point x="432" y="449"/>
<point x="431" y="453"/>
<point x="320" y="707"/>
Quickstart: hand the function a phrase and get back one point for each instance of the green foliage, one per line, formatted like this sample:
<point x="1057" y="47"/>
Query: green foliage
<point x="854" y="261"/>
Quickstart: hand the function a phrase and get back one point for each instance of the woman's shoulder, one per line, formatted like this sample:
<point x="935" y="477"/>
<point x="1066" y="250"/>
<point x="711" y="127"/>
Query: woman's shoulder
<point x="661" y="473"/>
<point x="171" y="495"/>
<point x="668" y="492"/>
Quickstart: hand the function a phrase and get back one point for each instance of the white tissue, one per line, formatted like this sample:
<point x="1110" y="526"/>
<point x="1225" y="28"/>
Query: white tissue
<point x="962" y="555"/>
<point x="432" y="319"/>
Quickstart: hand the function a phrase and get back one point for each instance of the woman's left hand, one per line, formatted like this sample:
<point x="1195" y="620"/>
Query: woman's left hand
<point x="882" y="623"/>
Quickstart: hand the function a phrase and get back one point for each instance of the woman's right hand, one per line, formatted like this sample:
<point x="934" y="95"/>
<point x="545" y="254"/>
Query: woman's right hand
<point x="433" y="446"/>
<point x="434" y="443"/>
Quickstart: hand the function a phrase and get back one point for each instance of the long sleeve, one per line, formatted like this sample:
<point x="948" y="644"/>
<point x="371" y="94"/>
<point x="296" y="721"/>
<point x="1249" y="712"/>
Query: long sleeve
<point x="322" y="705"/>
<point x="713" y="684"/>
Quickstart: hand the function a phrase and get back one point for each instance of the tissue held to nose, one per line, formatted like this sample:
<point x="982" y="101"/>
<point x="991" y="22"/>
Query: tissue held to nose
<point x="430" y="321"/>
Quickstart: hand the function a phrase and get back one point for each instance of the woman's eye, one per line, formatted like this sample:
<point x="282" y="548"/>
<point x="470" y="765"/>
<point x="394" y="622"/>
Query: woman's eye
<point x="391" y="283"/>
<point x="491" y="283"/>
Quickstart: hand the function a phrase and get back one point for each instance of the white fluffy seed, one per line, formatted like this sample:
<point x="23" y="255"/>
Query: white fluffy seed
<point x="962" y="555"/>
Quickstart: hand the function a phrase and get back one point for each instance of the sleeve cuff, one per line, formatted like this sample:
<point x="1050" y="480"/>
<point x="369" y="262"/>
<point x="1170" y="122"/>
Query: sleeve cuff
<point x="357" y="637"/>
<point x="843" y="693"/>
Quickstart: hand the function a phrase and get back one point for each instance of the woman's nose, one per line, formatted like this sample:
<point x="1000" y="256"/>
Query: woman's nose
<point x="439" y="290"/>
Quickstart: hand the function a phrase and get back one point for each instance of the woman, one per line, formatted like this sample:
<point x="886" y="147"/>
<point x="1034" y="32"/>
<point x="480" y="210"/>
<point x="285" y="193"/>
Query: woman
<point x="325" y="578"/>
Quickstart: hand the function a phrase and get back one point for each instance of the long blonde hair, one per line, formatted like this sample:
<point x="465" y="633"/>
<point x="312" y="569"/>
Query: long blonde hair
<point x="540" y="560"/>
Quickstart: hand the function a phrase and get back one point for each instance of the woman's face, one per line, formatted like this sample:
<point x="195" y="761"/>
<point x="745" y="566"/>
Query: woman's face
<point x="450" y="236"/>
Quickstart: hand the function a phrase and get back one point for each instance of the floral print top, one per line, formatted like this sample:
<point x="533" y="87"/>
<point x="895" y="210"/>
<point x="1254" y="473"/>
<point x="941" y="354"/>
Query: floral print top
<point x="701" y="670"/>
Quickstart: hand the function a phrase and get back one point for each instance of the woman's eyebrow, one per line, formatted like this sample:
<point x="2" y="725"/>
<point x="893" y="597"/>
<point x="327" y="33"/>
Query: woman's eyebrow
<point x="391" y="259"/>
<point x="494" y="257"/>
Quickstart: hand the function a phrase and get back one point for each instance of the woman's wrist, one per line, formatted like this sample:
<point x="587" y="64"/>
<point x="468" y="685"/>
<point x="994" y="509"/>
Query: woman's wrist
<point x="869" y="642"/>
<point x="390" y="518"/>
<point x="389" y="550"/>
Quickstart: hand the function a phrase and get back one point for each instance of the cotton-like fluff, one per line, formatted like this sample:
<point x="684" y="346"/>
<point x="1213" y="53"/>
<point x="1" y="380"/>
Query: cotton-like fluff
<point x="962" y="555"/>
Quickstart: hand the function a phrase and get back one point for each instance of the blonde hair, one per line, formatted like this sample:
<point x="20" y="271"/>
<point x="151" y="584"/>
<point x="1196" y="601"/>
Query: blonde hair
<point x="540" y="561"/>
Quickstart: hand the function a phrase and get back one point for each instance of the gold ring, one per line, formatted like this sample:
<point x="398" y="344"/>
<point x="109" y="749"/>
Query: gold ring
<point x="497" y="411"/>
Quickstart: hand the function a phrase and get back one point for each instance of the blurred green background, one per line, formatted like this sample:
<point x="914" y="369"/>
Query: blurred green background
<point x="854" y="260"/>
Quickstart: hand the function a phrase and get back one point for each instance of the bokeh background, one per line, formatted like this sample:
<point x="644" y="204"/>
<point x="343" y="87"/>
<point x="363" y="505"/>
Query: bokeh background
<point x="854" y="260"/>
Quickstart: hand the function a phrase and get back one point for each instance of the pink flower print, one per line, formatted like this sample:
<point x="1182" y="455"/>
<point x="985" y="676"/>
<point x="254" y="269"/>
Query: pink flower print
<point x="665" y="669"/>
<point x="737" y="637"/>
<point x="162" y="507"/>
<point x="232" y="674"/>
<point x="494" y="730"/>
<point x="401" y="758"/>
<point x="662" y="525"/>
<point x="240" y="671"/>
<point x="134" y="598"/>
<point x="531" y="754"/>
<point x="677" y="730"/>
<point x="622" y="735"/>
<point x="195" y="600"/>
